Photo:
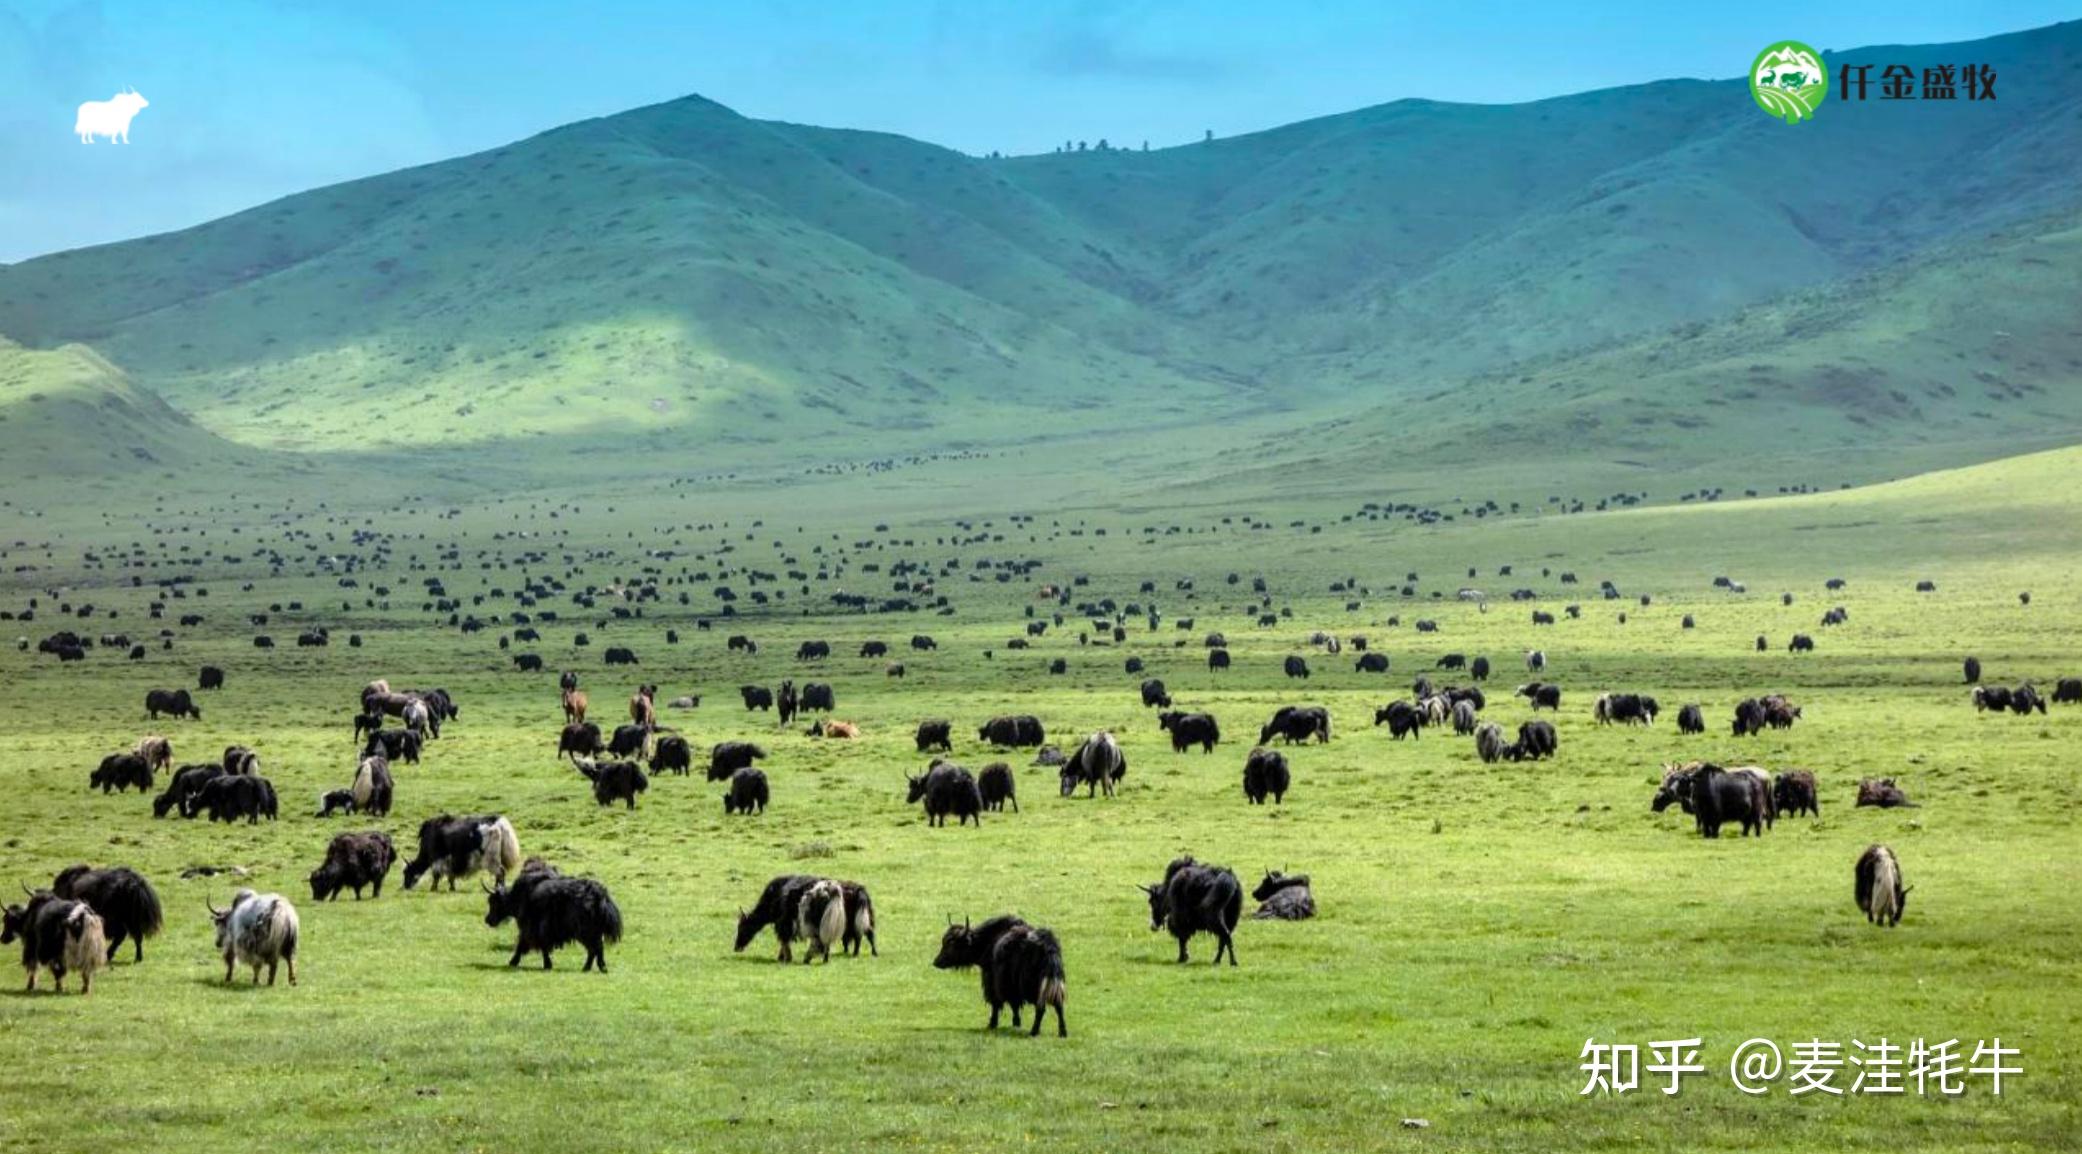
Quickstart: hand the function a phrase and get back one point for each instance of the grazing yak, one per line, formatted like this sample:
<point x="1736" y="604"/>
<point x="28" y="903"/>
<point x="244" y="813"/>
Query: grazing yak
<point x="1195" y="898"/>
<point x="1535" y="661"/>
<point x="241" y="759"/>
<point x="527" y="662"/>
<point x="1098" y="762"/>
<point x="1371" y="663"/>
<point x="1749" y="718"/>
<point x="171" y="701"/>
<point x="817" y="695"/>
<point x="234" y="796"/>
<point x="183" y="790"/>
<point x="454" y="847"/>
<point x="1973" y="670"/>
<point x="2068" y="691"/>
<point x="1541" y="693"/>
<point x="946" y="790"/>
<point x="935" y="734"/>
<point x="211" y="677"/>
<point x="998" y="787"/>
<point x="1217" y="659"/>
<point x="1536" y="739"/>
<point x="580" y="739"/>
<point x="777" y="906"/>
<point x="629" y="741"/>
<point x="1297" y="723"/>
<point x="1801" y="643"/>
<point x="923" y="644"/>
<point x="1489" y="742"/>
<point x="1402" y="718"/>
<point x="258" y="930"/>
<point x="1297" y="667"/>
<point x="1716" y="796"/>
<point x="550" y="911"/>
<point x="748" y="792"/>
<point x="1022" y="965"/>
<point x="1283" y="897"/>
<point x="121" y="771"/>
<point x="1012" y="732"/>
<point x="618" y="655"/>
<point x="1479" y="669"/>
<point x="1883" y="793"/>
<point x="727" y="757"/>
<point x="813" y="651"/>
<point x="874" y="649"/>
<point x="756" y="697"/>
<point x="1452" y="661"/>
<point x="1464" y="718"/>
<point x="614" y="781"/>
<point x="372" y="788"/>
<point x="121" y="897"/>
<point x="353" y="861"/>
<point x="403" y="745"/>
<point x="58" y="934"/>
<point x="820" y="918"/>
<point x="1691" y="719"/>
<point x="1190" y="729"/>
<point x="672" y="754"/>
<point x="1265" y="774"/>
<point x="1154" y="694"/>
<point x="156" y="750"/>
<point x="1879" y="890"/>
<point x="1794" y="793"/>
<point x="1625" y="708"/>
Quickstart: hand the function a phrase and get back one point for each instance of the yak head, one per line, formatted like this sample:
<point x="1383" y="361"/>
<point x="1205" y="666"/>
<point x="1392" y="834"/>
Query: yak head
<point x="915" y="790"/>
<point x="957" y="947"/>
<point x="222" y="918"/>
<point x="1159" y="904"/>
<point x="324" y="882"/>
<point x="414" y="869"/>
<point x="499" y="904"/>
<point x="747" y="929"/>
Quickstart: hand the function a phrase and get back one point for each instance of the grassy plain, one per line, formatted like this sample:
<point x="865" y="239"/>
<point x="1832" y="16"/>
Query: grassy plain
<point x="1478" y="922"/>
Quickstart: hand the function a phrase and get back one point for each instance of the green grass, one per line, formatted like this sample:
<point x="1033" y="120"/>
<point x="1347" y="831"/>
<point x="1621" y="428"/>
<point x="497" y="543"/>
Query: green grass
<point x="1478" y="922"/>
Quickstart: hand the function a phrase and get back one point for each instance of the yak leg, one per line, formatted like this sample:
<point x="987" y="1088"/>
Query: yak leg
<point x="1181" y="951"/>
<point x="545" y="957"/>
<point x="993" y="1017"/>
<point x="291" y="962"/>
<point x="518" y="949"/>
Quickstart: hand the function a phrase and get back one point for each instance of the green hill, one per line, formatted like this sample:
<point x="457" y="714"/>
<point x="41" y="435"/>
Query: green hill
<point x="1615" y="264"/>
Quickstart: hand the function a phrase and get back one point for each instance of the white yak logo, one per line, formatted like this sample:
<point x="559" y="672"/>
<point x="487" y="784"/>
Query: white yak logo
<point x="110" y="118"/>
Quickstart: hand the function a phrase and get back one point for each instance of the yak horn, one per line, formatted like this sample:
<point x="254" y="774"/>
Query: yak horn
<point x="482" y="886"/>
<point x="214" y="911"/>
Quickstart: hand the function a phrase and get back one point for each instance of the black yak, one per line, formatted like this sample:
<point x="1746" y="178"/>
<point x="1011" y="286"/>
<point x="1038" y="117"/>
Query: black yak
<point x="173" y="701"/>
<point x="817" y="695"/>
<point x="1371" y="663"/>
<point x="1536" y="739"/>
<point x="614" y="781"/>
<point x="1190" y="729"/>
<point x="396" y="745"/>
<point x="936" y="734"/>
<point x="1012" y="732"/>
<point x="1691" y="719"/>
<point x="580" y="739"/>
<point x="550" y="911"/>
<point x="1217" y="659"/>
<point x="1283" y="897"/>
<point x="672" y="755"/>
<point x="946" y="790"/>
<point x="756" y="697"/>
<point x="727" y="757"/>
<point x="211" y="677"/>
<point x="1402" y="719"/>
<point x="629" y="741"/>
<point x="998" y="787"/>
<point x="1540" y="694"/>
<point x="1154" y="694"/>
<point x="1297" y="667"/>
<point x="1265" y="774"/>
<point x="234" y="796"/>
<point x="120" y="897"/>
<point x="1716" y="796"/>
<point x="353" y="861"/>
<point x="1297" y="723"/>
<point x="121" y="771"/>
<point x="748" y="793"/>
<point x="182" y="791"/>
<point x="1479" y="669"/>
<point x="1195" y="898"/>
<point x="1022" y="965"/>
<point x="1801" y="643"/>
<point x="778" y="906"/>
<point x="1794" y="793"/>
<point x="1883" y="793"/>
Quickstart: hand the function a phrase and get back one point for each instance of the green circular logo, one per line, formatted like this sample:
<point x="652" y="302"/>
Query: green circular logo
<point x="1789" y="81"/>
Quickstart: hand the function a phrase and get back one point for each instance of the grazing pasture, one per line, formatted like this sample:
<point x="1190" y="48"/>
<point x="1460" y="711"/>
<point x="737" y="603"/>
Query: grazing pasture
<point x="1476" y="923"/>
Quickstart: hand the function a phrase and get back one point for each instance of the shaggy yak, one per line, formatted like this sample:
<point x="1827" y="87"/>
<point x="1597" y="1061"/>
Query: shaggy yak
<point x="120" y="897"/>
<point x="551" y="911"/>
<point x="1283" y="897"/>
<point x="1022" y="965"/>
<point x="1879" y="890"/>
<point x="58" y="934"/>
<point x="1195" y="898"/>
<point x="1190" y="729"/>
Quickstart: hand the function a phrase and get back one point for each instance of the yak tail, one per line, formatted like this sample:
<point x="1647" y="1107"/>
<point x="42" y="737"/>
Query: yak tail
<point x="86" y="945"/>
<point x="502" y="853"/>
<point x="1232" y="910"/>
<point x="833" y="925"/>
<point x="608" y="915"/>
<point x="145" y="917"/>
<point x="864" y="920"/>
<point x="364" y="784"/>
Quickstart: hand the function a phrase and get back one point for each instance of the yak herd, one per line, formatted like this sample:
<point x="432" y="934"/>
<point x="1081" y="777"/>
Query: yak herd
<point x="77" y="923"/>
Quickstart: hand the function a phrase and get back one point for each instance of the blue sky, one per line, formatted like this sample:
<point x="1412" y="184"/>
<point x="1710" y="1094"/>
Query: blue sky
<point x="254" y="99"/>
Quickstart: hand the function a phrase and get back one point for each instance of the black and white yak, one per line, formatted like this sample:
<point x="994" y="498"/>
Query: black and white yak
<point x="58" y="934"/>
<point x="1098" y="762"/>
<point x="258" y="930"/>
<point x="454" y="847"/>
<point x="1879" y="890"/>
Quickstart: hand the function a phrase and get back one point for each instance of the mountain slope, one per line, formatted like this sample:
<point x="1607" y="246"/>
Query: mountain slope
<point x="683" y="278"/>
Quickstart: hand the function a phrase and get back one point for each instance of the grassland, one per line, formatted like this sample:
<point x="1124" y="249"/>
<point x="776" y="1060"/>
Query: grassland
<point x="1478" y="922"/>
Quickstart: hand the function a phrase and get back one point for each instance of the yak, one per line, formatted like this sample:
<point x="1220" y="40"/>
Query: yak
<point x="946" y="789"/>
<point x="353" y="861"/>
<point x="936" y="734"/>
<point x="1883" y="793"/>
<point x="1879" y="890"/>
<point x="454" y="847"/>
<point x="672" y="754"/>
<point x="1794" y="792"/>
<point x="727" y="757"/>
<point x="1098" y="762"/>
<point x="258" y="930"/>
<point x="1283" y="897"/>
<point x="1402" y="719"/>
<point x="58" y="934"/>
<point x="1541" y="693"/>
<point x="1297" y="723"/>
<point x="234" y="796"/>
<point x="1217" y="659"/>
<point x="580" y="739"/>
<point x="1190" y="729"/>
<point x="756" y="697"/>
<point x="171" y="701"/>
<point x="1012" y="732"/>
<point x="614" y="781"/>
<point x="1371" y="663"/>
<point x="211" y="677"/>
<point x="1691" y="719"/>
<point x="121" y="897"/>
<point x="551" y="911"/>
<point x="1265" y="773"/>
<point x="121" y="771"/>
<point x="748" y="792"/>
<point x="1195" y="898"/>
<point x="1297" y="667"/>
<point x="1022" y="965"/>
<point x="182" y="791"/>
<point x="1154" y="694"/>
<point x="998" y="787"/>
